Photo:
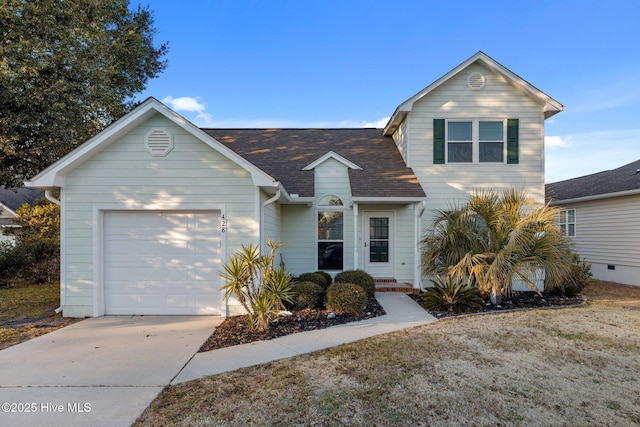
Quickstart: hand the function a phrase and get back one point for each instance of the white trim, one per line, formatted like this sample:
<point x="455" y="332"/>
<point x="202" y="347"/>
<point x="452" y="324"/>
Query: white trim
<point x="5" y="208"/>
<point x="550" y="105"/>
<point x="392" y="241"/>
<point x="355" y="236"/>
<point x="388" y="200"/>
<point x="99" y="210"/>
<point x="475" y="139"/>
<point x="331" y="155"/>
<point x="595" y="197"/>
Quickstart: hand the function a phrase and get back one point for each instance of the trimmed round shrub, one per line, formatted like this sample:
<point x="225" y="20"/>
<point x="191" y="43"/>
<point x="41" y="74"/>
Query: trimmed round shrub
<point x="347" y="298"/>
<point x="307" y="295"/>
<point x="327" y="277"/>
<point x="360" y="278"/>
<point x="315" y="278"/>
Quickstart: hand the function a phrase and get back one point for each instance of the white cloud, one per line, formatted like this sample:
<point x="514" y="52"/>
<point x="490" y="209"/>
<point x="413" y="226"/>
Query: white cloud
<point x="554" y="142"/>
<point x="590" y="152"/>
<point x="191" y="105"/>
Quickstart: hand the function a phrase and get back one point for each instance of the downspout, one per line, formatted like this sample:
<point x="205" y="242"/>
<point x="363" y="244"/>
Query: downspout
<point x="49" y="197"/>
<point x="266" y="203"/>
<point x="355" y="236"/>
<point x="418" y="209"/>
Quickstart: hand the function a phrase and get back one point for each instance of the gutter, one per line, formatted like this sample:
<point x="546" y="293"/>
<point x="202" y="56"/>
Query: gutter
<point x="49" y="197"/>
<point x="559" y="202"/>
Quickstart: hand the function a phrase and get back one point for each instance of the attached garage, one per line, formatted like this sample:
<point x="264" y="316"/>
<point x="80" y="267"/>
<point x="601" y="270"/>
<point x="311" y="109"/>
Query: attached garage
<point x="162" y="262"/>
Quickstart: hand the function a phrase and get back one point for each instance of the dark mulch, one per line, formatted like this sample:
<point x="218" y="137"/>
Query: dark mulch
<point x="519" y="300"/>
<point x="234" y="330"/>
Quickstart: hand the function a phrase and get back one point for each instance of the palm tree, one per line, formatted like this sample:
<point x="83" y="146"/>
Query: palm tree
<point x="495" y="239"/>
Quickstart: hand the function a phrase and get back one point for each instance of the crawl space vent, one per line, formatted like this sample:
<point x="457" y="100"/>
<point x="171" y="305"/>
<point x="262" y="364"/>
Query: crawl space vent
<point x="158" y="142"/>
<point x="476" y="81"/>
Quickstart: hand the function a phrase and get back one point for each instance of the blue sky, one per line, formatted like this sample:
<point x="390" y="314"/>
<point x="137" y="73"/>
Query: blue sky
<point x="329" y="63"/>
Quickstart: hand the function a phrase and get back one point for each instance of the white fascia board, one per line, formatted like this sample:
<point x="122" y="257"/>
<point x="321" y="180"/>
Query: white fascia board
<point x="595" y="197"/>
<point x="388" y="200"/>
<point x="6" y="209"/>
<point x="551" y="106"/>
<point x="335" y="156"/>
<point x="53" y="176"/>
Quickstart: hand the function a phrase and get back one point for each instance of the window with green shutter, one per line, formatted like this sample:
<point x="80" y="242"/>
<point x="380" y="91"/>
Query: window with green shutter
<point x="438" y="141"/>
<point x="513" y="137"/>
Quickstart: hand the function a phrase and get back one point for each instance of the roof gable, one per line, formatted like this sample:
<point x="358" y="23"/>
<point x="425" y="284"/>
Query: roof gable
<point x="331" y="155"/>
<point x="11" y="200"/>
<point x="53" y="176"/>
<point x="619" y="181"/>
<point x="551" y="106"/>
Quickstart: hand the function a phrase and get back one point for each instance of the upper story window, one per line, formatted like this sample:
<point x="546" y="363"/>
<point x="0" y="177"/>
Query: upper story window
<point x="475" y="141"/>
<point x="568" y="222"/>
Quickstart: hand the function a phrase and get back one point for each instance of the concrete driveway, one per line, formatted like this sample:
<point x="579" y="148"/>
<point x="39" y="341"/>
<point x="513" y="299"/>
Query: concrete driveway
<point x="100" y="371"/>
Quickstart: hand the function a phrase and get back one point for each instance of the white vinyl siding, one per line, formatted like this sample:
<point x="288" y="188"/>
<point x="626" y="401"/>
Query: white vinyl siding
<point x="299" y="238"/>
<point x="609" y="235"/>
<point x="124" y="174"/>
<point x="453" y="100"/>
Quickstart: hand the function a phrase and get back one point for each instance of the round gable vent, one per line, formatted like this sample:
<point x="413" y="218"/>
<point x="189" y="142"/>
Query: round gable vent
<point x="476" y="81"/>
<point x="158" y="142"/>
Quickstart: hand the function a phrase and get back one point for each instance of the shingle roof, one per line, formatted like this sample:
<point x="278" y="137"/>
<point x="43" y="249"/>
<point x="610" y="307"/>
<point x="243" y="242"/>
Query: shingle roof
<point x="283" y="153"/>
<point x="624" y="178"/>
<point x="14" y="199"/>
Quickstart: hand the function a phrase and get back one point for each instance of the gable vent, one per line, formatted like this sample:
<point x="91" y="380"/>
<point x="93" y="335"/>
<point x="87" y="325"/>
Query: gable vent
<point x="158" y="142"/>
<point x="476" y="81"/>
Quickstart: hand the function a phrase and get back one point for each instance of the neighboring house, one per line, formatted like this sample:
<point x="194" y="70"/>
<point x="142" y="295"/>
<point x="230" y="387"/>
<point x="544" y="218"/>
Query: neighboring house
<point x="601" y="215"/>
<point x="153" y="206"/>
<point x="10" y="201"/>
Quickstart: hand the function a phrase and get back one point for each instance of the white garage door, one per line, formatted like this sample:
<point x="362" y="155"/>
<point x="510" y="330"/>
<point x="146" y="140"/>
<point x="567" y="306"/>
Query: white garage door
<point x="162" y="262"/>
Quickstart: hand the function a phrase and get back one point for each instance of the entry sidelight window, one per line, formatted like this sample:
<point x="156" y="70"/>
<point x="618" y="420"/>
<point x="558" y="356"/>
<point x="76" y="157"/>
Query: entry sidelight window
<point x="330" y="233"/>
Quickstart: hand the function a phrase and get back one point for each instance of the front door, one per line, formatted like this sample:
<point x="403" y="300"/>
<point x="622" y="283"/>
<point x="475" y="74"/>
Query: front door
<point x="378" y="242"/>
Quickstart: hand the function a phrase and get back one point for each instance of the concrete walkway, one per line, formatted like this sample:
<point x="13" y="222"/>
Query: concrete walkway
<point x="402" y="313"/>
<point x="106" y="371"/>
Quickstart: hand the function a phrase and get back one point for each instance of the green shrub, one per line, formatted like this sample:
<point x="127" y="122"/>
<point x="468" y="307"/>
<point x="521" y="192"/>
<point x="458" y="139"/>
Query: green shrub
<point x="35" y="261"/>
<point x="307" y="295"/>
<point x="452" y="295"/>
<point x="315" y="278"/>
<point x="327" y="277"/>
<point x="360" y="278"/>
<point x="575" y="281"/>
<point x="347" y="298"/>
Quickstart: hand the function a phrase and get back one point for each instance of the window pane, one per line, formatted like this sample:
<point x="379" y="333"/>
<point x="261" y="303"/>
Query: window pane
<point x="460" y="152"/>
<point x="459" y="131"/>
<point x="491" y="151"/>
<point x="572" y="230"/>
<point x="491" y="131"/>
<point x="379" y="251"/>
<point x="330" y="225"/>
<point x="330" y="201"/>
<point x="330" y="255"/>
<point x="379" y="228"/>
<point x="572" y="215"/>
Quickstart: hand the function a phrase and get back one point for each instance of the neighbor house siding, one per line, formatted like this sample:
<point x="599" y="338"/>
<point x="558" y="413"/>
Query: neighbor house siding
<point x="608" y="234"/>
<point x="125" y="176"/>
<point x="446" y="184"/>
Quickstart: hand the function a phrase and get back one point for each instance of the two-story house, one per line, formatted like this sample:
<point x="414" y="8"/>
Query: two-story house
<point x="153" y="206"/>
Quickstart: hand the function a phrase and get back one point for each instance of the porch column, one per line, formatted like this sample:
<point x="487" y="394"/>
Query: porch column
<point x="418" y="210"/>
<point x="355" y="236"/>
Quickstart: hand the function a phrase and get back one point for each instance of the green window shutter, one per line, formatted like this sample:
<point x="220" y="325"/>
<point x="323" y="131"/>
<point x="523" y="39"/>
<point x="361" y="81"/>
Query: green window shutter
<point x="438" y="141"/>
<point x="512" y="141"/>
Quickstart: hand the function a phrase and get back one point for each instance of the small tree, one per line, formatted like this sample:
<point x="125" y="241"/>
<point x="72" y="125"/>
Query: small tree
<point x="495" y="239"/>
<point x="260" y="287"/>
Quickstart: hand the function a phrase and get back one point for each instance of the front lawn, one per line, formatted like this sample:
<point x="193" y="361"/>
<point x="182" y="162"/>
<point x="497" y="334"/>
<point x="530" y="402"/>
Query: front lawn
<point x="28" y="311"/>
<point x="575" y="366"/>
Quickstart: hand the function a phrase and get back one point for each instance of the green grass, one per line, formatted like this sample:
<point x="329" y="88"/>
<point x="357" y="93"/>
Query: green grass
<point x="29" y="301"/>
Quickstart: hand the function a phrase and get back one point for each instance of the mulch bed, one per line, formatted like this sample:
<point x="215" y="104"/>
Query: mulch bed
<point x="518" y="301"/>
<point x="234" y="330"/>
